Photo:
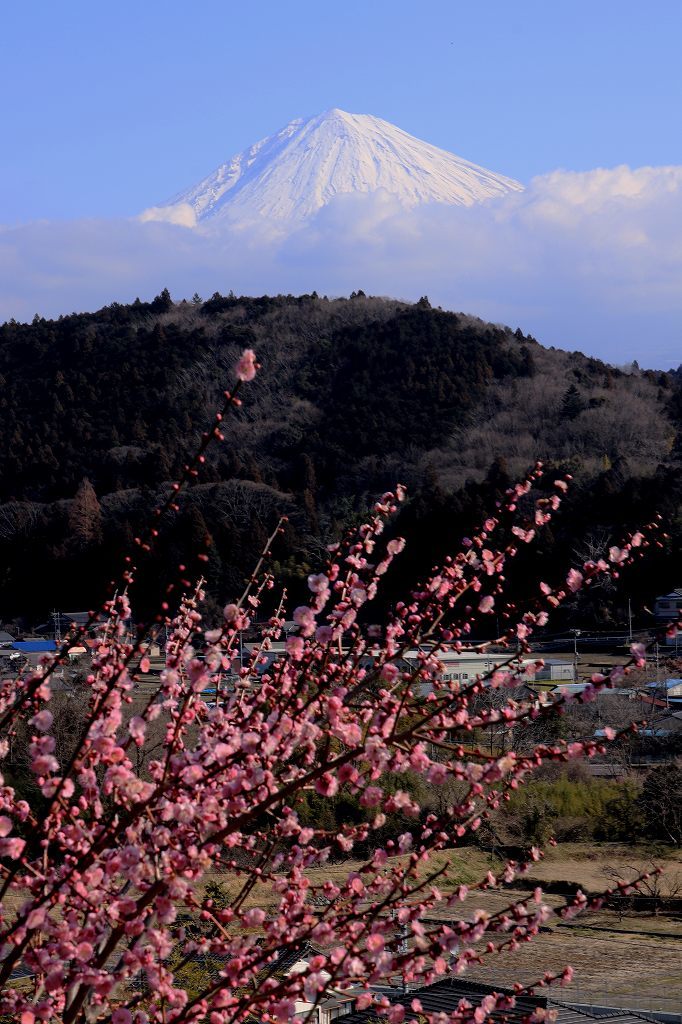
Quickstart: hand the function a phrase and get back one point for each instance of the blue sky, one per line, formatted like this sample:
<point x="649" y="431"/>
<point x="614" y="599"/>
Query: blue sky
<point x="109" y="108"/>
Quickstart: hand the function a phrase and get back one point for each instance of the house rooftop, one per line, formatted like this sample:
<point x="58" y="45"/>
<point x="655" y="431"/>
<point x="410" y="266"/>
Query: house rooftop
<point x="444" y="997"/>
<point x="34" y="646"/>
<point x="79" y="618"/>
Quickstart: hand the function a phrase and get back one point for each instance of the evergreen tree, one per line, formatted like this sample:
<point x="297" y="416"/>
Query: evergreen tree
<point x="572" y="404"/>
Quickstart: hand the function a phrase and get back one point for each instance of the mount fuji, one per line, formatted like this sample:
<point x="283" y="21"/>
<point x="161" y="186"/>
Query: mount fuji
<point x="287" y="177"/>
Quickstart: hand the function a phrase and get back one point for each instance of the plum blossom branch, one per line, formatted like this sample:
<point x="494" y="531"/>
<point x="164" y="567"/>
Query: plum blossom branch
<point x="108" y="879"/>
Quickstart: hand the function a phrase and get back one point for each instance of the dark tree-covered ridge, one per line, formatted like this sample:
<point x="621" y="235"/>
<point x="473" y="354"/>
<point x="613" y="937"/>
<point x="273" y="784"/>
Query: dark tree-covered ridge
<point x="99" y="411"/>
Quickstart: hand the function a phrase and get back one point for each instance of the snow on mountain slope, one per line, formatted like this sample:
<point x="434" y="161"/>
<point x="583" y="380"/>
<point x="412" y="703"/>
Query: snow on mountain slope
<point x="291" y="175"/>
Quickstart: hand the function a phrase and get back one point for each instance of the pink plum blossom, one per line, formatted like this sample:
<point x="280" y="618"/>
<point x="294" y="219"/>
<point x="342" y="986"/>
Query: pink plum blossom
<point x="389" y="673"/>
<point x="305" y="618"/>
<point x="574" y="580"/>
<point x="638" y="652"/>
<point x="247" y="366"/>
<point x="295" y="647"/>
<point x="42" y="721"/>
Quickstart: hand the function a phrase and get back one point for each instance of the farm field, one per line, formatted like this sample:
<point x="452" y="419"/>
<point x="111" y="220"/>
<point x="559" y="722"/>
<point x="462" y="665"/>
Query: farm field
<point x="621" y="958"/>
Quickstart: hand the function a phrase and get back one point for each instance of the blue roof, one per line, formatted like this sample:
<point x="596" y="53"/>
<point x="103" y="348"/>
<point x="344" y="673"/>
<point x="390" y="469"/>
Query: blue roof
<point x="667" y="684"/>
<point x="34" y="646"/>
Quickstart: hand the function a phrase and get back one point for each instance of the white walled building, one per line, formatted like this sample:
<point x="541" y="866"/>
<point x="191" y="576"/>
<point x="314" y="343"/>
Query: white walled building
<point x="464" y="667"/>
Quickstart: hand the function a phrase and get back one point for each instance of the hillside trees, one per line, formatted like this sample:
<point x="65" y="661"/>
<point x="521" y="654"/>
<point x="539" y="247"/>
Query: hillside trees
<point x="354" y="395"/>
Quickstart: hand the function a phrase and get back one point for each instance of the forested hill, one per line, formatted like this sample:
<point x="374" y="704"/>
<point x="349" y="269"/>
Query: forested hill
<point x="99" y="411"/>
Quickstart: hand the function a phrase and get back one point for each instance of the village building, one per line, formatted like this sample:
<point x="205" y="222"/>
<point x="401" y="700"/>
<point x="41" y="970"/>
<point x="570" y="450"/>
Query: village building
<point x="668" y="690"/>
<point x="669" y="606"/>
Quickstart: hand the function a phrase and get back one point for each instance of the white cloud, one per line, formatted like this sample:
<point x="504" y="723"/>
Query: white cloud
<point x="181" y="213"/>
<point x="583" y="260"/>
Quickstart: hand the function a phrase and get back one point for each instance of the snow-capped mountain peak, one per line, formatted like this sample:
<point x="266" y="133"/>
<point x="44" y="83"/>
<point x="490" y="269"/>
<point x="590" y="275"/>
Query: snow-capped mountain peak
<point x="289" y="176"/>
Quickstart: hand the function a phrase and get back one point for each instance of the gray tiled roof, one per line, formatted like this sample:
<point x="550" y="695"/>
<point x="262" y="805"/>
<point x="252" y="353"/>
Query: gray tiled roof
<point x="444" y="996"/>
<point x="568" y="1013"/>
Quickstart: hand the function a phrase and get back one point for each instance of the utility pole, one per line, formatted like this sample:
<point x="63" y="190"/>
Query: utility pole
<point x="630" y="620"/>
<point x="402" y="947"/>
<point x="576" y="634"/>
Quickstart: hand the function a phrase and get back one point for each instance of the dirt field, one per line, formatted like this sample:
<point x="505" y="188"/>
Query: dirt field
<point x="616" y="958"/>
<point x="631" y="958"/>
<point x="589" y="864"/>
<point x="611" y="969"/>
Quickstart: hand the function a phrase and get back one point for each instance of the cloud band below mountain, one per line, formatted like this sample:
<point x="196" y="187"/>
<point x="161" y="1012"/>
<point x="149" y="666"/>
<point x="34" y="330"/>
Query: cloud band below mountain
<point x="581" y="260"/>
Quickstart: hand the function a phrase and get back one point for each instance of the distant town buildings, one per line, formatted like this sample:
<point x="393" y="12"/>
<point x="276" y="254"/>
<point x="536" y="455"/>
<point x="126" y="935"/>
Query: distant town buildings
<point x="668" y="689"/>
<point x="669" y="606"/>
<point x="668" y="609"/>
